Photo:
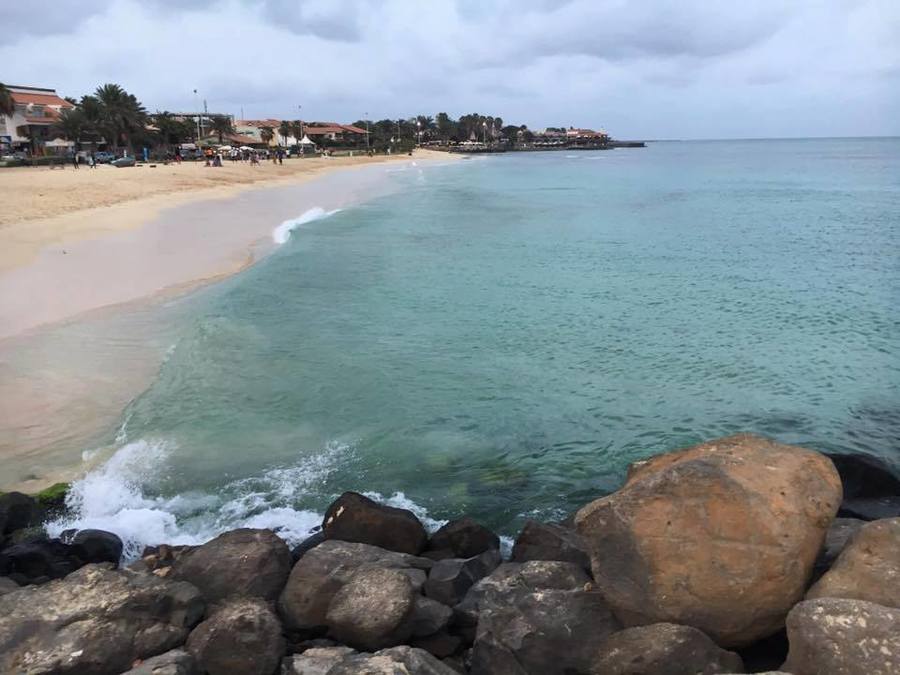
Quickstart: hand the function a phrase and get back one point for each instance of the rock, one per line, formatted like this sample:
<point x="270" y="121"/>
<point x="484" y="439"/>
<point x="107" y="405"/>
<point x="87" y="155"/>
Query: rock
<point x="322" y="571"/>
<point x="450" y="579"/>
<point x="17" y="511"/>
<point x="175" y="662"/>
<point x="307" y="544"/>
<point x="544" y="632"/>
<point x="545" y="541"/>
<point x="839" y="534"/>
<point x="721" y="536"/>
<point x="370" y="611"/>
<point x="463" y="538"/>
<point x="843" y="637"/>
<point x="355" y="518"/>
<point x="393" y="661"/>
<point x="39" y="561"/>
<point x="7" y="585"/>
<point x="244" y="562"/>
<point x="511" y="579"/>
<point x="96" y="546"/>
<point x="440" y="644"/>
<point x="428" y="617"/>
<point x="875" y="508"/>
<point x="97" y="620"/>
<point x="315" y="661"/>
<point x="864" y="476"/>
<point x="243" y="636"/>
<point x="868" y="568"/>
<point x="663" y="649"/>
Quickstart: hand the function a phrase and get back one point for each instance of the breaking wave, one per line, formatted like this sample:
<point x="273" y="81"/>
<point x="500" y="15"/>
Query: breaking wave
<point x="283" y="232"/>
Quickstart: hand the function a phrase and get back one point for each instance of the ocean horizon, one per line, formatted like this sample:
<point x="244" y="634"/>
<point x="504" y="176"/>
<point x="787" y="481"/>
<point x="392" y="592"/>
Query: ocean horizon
<point x="502" y="336"/>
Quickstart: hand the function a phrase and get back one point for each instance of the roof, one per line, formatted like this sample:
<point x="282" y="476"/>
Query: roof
<point x="257" y="123"/>
<point x="33" y="95"/>
<point x="320" y="128"/>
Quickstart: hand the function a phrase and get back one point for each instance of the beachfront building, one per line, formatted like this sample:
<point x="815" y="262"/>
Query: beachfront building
<point x="30" y="127"/>
<point x="334" y="132"/>
<point x="252" y="129"/>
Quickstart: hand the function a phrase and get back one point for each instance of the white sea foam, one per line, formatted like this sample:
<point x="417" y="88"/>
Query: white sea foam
<point x="283" y="232"/>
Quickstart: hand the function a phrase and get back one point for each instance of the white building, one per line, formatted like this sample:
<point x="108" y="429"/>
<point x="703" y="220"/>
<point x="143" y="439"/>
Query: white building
<point x="31" y="123"/>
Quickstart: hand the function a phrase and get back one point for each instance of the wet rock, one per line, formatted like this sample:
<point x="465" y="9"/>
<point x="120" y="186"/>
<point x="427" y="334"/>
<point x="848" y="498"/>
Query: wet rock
<point x="96" y="546"/>
<point x="243" y="636"/>
<point x="17" y="511"/>
<point x="875" y="508"/>
<point x="244" y="562"/>
<point x="545" y="541"/>
<point x="7" y="585"/>
<point x="315" y="661"/>
<point x="39" y="561"/>
<point x="868" y="568"/>
<point x="463" y="538"/>
<point x="440" y="644"/>
<point x="428" y="617"/>
<point x="721" y="536"/>
<point x="175" y="662"/>
<point x="450" y="579"/>
<point x="546" y="632"/>
<point x="871" y="487"/>
<point x="846" y="637"/>
<point x="512" y="579"/>
<point x="355" y="518"/>
<point x="839" y="534"/>
<point x="97" y="620"/>
<point x="306" y="545"/>
<point x="394" y="661"/>
<point x="663" y="649"/>
<point x="371" y="610"/>
<point x="322" y="571"/>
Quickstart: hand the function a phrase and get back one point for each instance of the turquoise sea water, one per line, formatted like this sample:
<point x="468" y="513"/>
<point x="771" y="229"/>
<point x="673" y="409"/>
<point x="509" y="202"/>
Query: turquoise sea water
<point x="502" y="336"/>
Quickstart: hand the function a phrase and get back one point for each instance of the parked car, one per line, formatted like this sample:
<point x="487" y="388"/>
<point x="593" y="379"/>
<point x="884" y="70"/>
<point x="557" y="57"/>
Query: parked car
<point x="104" y="157"/>
<point x="123" y="161"/>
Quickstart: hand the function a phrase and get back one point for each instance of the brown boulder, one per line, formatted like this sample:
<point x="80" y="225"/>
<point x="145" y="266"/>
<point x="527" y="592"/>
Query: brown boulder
<point x="868" y="568"/>
<point x="546" y="541"/>
<point x="721" y="536"/>
<point x="355" y="518"/>
<point x="835" y="636"/>
<point x="463" y="538"/>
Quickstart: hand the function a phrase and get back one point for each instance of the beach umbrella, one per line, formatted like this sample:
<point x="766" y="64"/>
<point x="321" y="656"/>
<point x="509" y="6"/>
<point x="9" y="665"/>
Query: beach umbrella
<point x="245" y="147"/>
<point x="225" y="148"/>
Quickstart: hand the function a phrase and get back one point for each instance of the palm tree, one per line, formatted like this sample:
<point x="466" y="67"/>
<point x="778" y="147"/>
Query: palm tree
<point x="72" y="124"/>
<point x="7" y="105"/>
<point x="297" y="129"/>
<point x="266" y="134"/>
<point x="121" y="114"/>
<point x="284" y="129"/>
<point x="221" y="125"/>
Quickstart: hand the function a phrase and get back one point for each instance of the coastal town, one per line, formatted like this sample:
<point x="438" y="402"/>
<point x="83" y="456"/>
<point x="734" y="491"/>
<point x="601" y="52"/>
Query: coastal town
<point x="38" y="126"/>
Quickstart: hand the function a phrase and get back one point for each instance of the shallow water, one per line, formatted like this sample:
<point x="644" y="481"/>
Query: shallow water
<point x="504" y="335"/>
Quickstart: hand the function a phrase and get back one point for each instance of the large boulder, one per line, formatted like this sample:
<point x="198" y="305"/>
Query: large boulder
<point x="370" y="611"/>
<point x="324" y="570"/>
<point x="393" y="661"/>
<point x="315" y="661"/>
<point x="355" y="518"/>
<point x="244" y="562"/>
<point x="721" y="536"/>
<point x="547" y="632"/>
<point x="663" y="649"/>
<point x="428" y="617"/>
<point x="843" y="637"/>
<point x="868" y="568"/>
<point x="839" y="534"/>
<point x="451" y="578"/>
<point x="243" y="636"/>
<point x="17" y="511"/>
<point x="7" y="585"/>
<point x="175" y="662"/>
<point x="871" y="487"/>
<point x="546" y="541"/>
<point x="95" y="546"/>
<point x="463" y="538"/>
<point x="97" y="620"/>
<point x="39" y="560"/>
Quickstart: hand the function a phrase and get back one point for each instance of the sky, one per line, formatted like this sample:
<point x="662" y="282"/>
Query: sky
<point x="640" y="70"/>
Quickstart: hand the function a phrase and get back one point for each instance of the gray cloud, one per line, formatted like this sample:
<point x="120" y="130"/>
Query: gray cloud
<point x="20" y="20"/>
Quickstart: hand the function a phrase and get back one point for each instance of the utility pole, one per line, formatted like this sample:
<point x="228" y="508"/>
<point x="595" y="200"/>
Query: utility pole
<point x="197" y="104"/>
<point x="367" y="132"/>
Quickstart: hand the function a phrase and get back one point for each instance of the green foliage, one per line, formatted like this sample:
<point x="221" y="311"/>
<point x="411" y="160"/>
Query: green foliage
<point x="284" y="130"/>
<point x="7" y="105"/>
<point x="221" y="125"/>
<point x="55" y="495"/>
<point x="266" y="134"/>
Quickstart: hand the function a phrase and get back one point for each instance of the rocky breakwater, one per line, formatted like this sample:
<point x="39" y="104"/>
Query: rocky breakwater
<point x="721" y="558"/>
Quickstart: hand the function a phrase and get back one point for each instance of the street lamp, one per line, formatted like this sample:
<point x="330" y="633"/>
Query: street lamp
<point x="484" y="132"/>
<point x="419" y="131"/>
<point x="197" y="104"/>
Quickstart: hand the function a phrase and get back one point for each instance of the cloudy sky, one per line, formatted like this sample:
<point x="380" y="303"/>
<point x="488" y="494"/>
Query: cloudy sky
<point x="643" y="69"/>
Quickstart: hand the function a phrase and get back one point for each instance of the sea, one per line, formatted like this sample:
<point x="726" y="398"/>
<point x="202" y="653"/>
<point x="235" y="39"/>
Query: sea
<point x="501" y="336"/>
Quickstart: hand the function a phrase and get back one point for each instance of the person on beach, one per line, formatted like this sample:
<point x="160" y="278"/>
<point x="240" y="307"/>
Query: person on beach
<point x="75" y="160"/>
<point x="92" y="160"/>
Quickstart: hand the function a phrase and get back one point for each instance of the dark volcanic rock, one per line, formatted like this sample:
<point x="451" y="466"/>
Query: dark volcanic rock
<point x="175" y="662"/>
<point x="322" y="571"/>
<point x="243" y="636"/>
<point x="7" y="585"/>
<point x="838" y="536"/>
<point x="39" y="561"/>
<point x="663" y="649"/>
<point x="307" y="545"/>
<point x="428" y="617"/>
<point x="370" y="611"/>
<point x="17" y="511"/>
<point x="245" y="562"/>
<point x="95" y="621"/>
<point x="844" y="637"/>
<point x="871" y="487"/>
<point x="451" y="578"/>
<point x="393" y="661"/>
<point x="463" y="538"/>
<point x="95" y="546"/>
<point x="548" y="632"/>
<point x="440" y="644"/>
<point x="721" y="536"/>
<point x="545" y="541"/>
<point x="875" y="508"/>
<point x="868" y="568"/>
<point x="355" y="518"/>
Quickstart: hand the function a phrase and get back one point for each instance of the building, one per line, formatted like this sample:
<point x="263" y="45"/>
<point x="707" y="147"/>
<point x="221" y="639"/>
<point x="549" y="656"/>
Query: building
<point x="332" y="131"/>
<point x="30" y="127"/>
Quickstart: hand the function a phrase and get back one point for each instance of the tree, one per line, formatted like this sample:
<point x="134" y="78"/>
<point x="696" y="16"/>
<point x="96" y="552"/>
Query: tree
<point x="284" y="130"/>
<point x="266" y="134"/>
<point x="172" y="130"/>
<point x="221" y="125"/>
<point x="446" y="126"/>
<point x="7" y="105"/>
<point x="121" y="114"/>
<point x="297" y="130"/>
<point x="72" y="124"/>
